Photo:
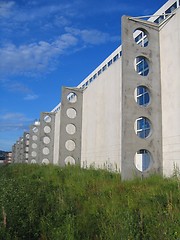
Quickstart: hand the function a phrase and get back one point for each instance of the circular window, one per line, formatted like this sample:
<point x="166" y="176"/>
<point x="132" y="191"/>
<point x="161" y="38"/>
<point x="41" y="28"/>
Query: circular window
<point x="142" y="127"/>
<point x="70" y="129"/>
<point x="45" y="161"/>
<point x="72" y="97"/>
<point x="34" y="145"/>
<point x="47" y="119"/>
<point x="70" y="145"/>
<point x="143" y="160"/>
<point x="27" y="135"/>
<point x="34" y="137"/>
<point x="142" y="96"/>
<point x="47" y="129"/>
<point x="46" y="140"/>
<point x="33" y="161"/>
<point x="34" y="154"/>
<point x="35" y="129"/>
<point x="141" y="37"/>
<point x="141" y="65"/>
<point x="69" y="161"/>
<point x="71" y="112"/>
<point x="45" y="151"/>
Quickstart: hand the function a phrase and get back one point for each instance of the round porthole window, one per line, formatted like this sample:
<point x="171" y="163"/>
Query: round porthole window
<point x="35" y="129"/>
<point x="141" y="37"/>
<point x="47" y="119"/>
<point x="142" y="127"/>
<point x="142" y="96"/>
<point x="47" y="129"/>
<point x="34" y="138"/>
<point x="34" y="145"/>
<point x="46" y="140"/>
<point x="72" y="97"/>
<point x="141" y="65"/>
<point x="34" y="154"/>
<point x="45" y="151"/>
<point x="70" y="145"/>
<point x="70" y="129"/>
<point x="70" y="161"/>
<point x="71" y="113"/>
<point x="143" y="160"/>
<point x="45" y="161"/>
<point x="33" y="161"/>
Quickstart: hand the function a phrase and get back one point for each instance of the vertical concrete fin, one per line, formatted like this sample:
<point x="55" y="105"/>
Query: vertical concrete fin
<point x="26" y="146"/>
<point x="34" y="143"/>
<point x="21" y="150"/>
<point x="46" y="148"/>
<point x="56" y="136"/>
<point x="13" y="153"/>
<point x="70" y="126"/>
<point x="17" y="152"/>
<point x="141" y="118"/>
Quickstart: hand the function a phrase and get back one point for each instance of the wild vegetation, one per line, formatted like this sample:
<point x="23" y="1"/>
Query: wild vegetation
<point x="48" y="202"/>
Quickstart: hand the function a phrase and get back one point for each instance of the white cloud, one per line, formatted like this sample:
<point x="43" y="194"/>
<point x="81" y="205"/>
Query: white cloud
<point x="119" y="6"/>
<point x="14" y="121"/>
<point x="30" y="97"/>
<point x="35" y="56"/>
<point x="40" y="57"/>
<point x="92" y="36"/>
<point x="13" y="126"/>
<point x="14" y="116"/>
<point x="17" y="87"/>
<point x="6" y="8"/>
<point x="60" y="21"/>
<point x="95" y="36"/>
<point x="34" y="10"/>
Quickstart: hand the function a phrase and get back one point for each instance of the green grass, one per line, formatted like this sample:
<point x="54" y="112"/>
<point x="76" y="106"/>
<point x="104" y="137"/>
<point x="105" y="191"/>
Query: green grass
<point x="48" y="202"/>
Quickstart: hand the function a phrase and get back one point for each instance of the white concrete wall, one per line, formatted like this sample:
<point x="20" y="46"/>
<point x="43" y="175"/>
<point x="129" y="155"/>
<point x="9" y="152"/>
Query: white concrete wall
<point x="170" y="77"/>
<point x="101" y="126"/>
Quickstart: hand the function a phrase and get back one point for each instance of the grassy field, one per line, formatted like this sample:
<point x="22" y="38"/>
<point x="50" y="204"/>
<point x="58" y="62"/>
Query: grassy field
<point x="48" y="202"/>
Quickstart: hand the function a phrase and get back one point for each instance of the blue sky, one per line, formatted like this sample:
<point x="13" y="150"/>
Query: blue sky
<point x="46" y="44"/>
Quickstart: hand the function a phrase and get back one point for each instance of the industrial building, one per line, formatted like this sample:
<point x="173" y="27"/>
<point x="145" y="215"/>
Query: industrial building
<point x="125" y="115"/>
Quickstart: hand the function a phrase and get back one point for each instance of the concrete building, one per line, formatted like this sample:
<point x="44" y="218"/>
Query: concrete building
<point x="8" y="157"/>
<point x="125" y="115"/>
<point x="5" y="157"/>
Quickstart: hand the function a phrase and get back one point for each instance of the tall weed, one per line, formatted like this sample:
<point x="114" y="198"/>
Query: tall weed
<point x="51" y="203"/>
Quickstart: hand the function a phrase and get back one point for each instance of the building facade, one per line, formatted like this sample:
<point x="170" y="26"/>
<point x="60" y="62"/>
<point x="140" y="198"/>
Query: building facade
<point x="125" y="115"/>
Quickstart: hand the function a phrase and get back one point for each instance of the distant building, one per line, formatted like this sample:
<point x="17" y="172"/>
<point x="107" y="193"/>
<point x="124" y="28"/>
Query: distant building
<point x="8" y="158"/>
<point x="5" y="157"/>
<point x="2" y="155"/>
